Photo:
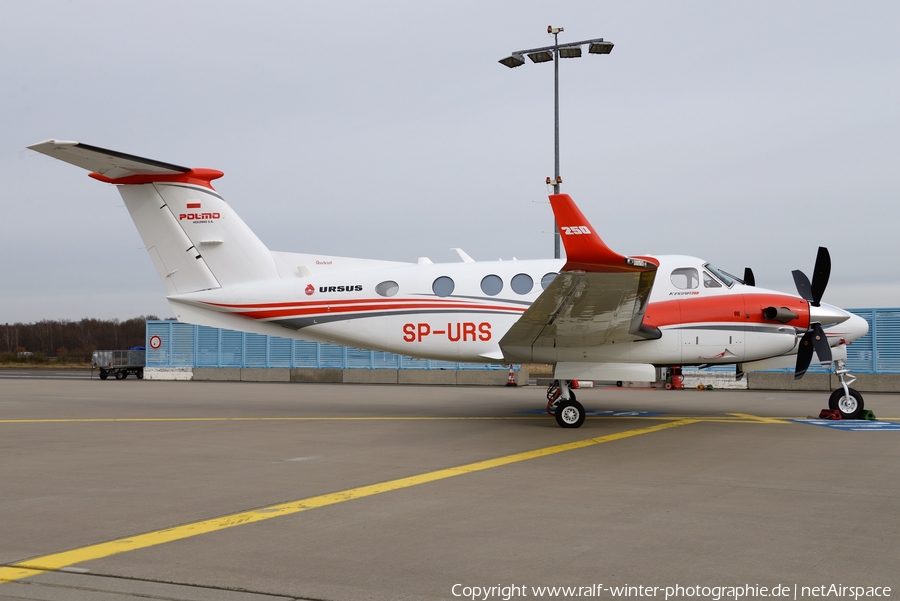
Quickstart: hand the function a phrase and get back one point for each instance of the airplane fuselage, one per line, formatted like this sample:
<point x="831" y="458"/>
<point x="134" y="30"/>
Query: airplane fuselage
<point x="460" y="312"/>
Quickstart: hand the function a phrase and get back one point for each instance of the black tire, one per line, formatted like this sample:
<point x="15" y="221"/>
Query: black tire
<point x="119" y="375"/>
<point x="570" y="414"/>
<point x="104" y="375"/>
<point x="850" y="407"/>
<point x="139" y="374"/>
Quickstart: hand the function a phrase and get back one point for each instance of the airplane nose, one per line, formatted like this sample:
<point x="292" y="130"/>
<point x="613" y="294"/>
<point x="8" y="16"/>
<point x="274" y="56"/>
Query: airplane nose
<point x="852" y="328"/>
<point x="856" y="327"/>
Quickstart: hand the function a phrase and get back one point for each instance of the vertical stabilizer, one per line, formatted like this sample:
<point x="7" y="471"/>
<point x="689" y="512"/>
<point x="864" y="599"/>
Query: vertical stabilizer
<point x="229" y="247"/>
<point x="180" y="266"/>
<point x="195" y="240"/>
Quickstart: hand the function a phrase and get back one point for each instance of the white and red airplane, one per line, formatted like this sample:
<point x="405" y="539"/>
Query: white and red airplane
<point x="597" y="315"/>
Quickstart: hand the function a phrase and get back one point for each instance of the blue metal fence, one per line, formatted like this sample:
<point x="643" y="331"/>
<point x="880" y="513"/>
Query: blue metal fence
<point x="878" y="352"/>
<point x="175" y="344"/>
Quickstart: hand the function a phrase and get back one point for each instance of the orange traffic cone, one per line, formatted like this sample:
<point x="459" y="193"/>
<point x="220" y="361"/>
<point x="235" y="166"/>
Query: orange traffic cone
<point x="511" y="380"/>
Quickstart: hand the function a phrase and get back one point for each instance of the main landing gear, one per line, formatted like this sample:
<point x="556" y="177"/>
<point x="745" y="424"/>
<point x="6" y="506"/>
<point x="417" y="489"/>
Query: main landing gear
<point x="845" y="399"/>
<point x="561" y="404"/>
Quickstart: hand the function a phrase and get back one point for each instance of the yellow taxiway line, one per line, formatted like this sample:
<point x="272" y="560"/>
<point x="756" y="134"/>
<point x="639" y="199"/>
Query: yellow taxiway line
<point x="741" y="418"/>
<point x="57" y="561"/>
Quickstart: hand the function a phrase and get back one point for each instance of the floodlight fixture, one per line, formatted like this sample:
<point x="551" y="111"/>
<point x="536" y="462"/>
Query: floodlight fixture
<point x="513" y="61"/>
<point x="545" y="55"/>
<point x="600" y="47"/>
<point x="542" y="56"/>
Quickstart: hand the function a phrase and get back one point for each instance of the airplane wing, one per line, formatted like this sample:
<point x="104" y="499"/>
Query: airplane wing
<point x="599" y="297"/>
<point x="109" y="163"/>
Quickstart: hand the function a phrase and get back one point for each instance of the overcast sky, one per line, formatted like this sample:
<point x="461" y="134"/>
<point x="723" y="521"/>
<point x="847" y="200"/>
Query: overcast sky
<point x="746" y="133"/>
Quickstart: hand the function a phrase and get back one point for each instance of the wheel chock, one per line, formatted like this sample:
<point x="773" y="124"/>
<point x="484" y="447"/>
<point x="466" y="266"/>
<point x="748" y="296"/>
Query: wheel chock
<point x="701" y="387"/>
<point x="867" y="414"/>
<point x="830" y="414"/>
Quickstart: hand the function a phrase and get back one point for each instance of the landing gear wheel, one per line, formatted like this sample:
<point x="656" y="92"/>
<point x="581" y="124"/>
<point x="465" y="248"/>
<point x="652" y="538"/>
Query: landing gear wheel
<point x="119" y="375"/>
<point x="851" y="407"/>
<point x="104" y="375"/>
<point x="554" y="402"/>
<point x="570" y="414"/>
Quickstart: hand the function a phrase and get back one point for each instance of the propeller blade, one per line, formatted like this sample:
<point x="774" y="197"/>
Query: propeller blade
<point x="820" y="344"/>
<point x="804" y="355"/>
<point x="749" y="279"/>
<point x="821" y="273"/>
<point x="804" y="289"/>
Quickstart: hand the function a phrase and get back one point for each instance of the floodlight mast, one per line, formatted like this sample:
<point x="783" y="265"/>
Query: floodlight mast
<point x="542" y="55"/>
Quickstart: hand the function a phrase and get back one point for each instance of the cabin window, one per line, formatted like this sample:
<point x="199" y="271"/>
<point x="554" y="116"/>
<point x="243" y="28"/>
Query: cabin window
<point x="387" y="288"/>
<point x="710" y="282"/>
<point x="547" y="279"/>
<point x="522" y="283"/>
<point x="491" y="285"/>
<point x="685" y="278"/>
<point x="443" y="286"/>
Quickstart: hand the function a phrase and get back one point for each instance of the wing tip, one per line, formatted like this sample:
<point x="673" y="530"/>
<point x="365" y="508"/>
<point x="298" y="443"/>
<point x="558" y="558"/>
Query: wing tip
<point x="51" y="143"/>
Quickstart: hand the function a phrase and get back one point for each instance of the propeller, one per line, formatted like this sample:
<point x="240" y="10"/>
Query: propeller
<point x="749" y="278"/>
<point x="821" y="272"/>
<point x="814" y="340"/>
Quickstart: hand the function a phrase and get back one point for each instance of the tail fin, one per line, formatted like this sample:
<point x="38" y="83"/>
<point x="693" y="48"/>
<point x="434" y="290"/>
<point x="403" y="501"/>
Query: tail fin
<point x="195" y="240"/>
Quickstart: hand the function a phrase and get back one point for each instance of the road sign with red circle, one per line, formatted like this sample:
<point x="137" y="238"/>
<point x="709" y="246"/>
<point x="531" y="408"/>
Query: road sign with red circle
<point x="155" y="342"/>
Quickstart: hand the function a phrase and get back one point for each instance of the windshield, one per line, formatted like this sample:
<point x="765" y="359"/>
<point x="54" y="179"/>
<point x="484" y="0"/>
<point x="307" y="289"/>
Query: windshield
<point x="721" y="275"/>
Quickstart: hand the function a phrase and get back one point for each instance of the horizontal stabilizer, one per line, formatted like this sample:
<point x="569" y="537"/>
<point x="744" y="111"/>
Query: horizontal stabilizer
<point x="109" y="163"/>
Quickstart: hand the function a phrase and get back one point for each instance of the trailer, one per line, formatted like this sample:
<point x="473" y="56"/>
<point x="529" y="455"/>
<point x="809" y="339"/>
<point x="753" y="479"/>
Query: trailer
<point x="119" y="363"/>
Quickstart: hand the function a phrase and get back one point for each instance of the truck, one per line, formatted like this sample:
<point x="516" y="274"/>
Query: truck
<point x="119" y="363"/>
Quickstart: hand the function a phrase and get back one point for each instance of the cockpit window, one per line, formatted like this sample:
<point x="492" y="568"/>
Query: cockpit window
<point x="685" y="278"/>
<point x="728" y="280"/>
<point x="709" y="281"/>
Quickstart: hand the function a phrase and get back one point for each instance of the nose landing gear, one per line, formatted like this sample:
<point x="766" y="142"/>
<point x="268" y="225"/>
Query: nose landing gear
<point x="561" y="404"/>
<point x="845" y="399"/>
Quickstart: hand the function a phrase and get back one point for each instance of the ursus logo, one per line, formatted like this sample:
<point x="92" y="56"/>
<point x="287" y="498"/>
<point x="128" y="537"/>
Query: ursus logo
<point x="310" y="289"/>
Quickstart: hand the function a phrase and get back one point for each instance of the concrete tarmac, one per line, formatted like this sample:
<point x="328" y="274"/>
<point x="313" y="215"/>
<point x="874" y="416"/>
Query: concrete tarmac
<point x="47" y="374"/>
<point x="126" y="490"/>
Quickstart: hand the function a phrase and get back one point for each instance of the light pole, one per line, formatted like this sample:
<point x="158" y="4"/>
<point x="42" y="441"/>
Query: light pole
<point x="543" y="55"/>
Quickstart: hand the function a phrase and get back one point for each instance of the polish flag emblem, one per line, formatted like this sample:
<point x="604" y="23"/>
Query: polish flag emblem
<point x="310" y="289"/>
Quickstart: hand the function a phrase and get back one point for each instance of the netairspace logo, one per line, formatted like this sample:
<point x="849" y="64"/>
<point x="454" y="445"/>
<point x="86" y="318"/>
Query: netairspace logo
<point x="714" y="593"/>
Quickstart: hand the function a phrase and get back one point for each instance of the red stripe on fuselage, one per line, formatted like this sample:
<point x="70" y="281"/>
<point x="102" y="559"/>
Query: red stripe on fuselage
<point x="325" y="303"/>
<point x="365" y="308"/>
